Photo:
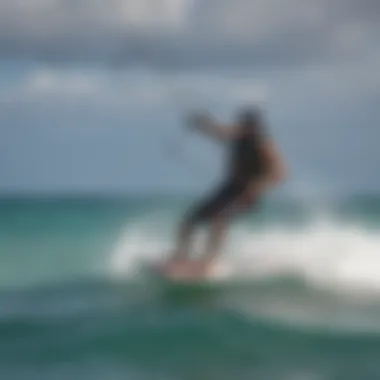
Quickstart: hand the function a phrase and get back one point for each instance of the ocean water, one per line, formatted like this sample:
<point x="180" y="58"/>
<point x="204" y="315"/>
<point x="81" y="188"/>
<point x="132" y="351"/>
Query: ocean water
<point x="300" y="299"/>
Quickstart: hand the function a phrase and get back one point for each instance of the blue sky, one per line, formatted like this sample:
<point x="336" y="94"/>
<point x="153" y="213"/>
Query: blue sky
<point x="94" y="92"/>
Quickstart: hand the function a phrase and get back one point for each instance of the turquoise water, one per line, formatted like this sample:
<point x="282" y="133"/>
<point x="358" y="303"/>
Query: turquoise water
<point x="301" y="299"/>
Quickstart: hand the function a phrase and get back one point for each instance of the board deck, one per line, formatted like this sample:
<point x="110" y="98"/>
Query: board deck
<point x="216" y="275"/>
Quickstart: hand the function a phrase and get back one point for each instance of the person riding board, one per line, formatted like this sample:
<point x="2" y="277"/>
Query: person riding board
<point x="256" y="166"/>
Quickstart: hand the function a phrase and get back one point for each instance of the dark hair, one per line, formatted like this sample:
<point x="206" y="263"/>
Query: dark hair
<point x="251" y="117"/>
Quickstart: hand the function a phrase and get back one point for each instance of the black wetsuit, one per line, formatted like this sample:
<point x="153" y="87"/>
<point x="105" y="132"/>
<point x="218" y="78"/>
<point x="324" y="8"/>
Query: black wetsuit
<point x="246" y="164"/>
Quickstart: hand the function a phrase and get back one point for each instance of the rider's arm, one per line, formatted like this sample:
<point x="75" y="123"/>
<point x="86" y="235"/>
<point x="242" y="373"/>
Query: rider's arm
<point x="212" y="128"/>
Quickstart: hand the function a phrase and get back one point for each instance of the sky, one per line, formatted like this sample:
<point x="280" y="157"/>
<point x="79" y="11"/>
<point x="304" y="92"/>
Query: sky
<point x="94" y="93"/>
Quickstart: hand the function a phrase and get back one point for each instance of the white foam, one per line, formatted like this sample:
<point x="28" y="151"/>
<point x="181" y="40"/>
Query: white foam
<point x="325" y="254"/>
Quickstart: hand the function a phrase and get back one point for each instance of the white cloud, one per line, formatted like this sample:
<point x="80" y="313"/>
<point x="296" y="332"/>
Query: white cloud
<point x="49" y="82"/>
<point x="131" y="89"/>
<point x="49" y="86"/>
<point x="188" y="32"/>
<point x="62" y="17"/>
<point x="280" y="92"/>
<point x="247" y="20"/>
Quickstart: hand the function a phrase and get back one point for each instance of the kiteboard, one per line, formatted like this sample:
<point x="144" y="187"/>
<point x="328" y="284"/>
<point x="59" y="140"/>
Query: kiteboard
<point x="187" y="275"/>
